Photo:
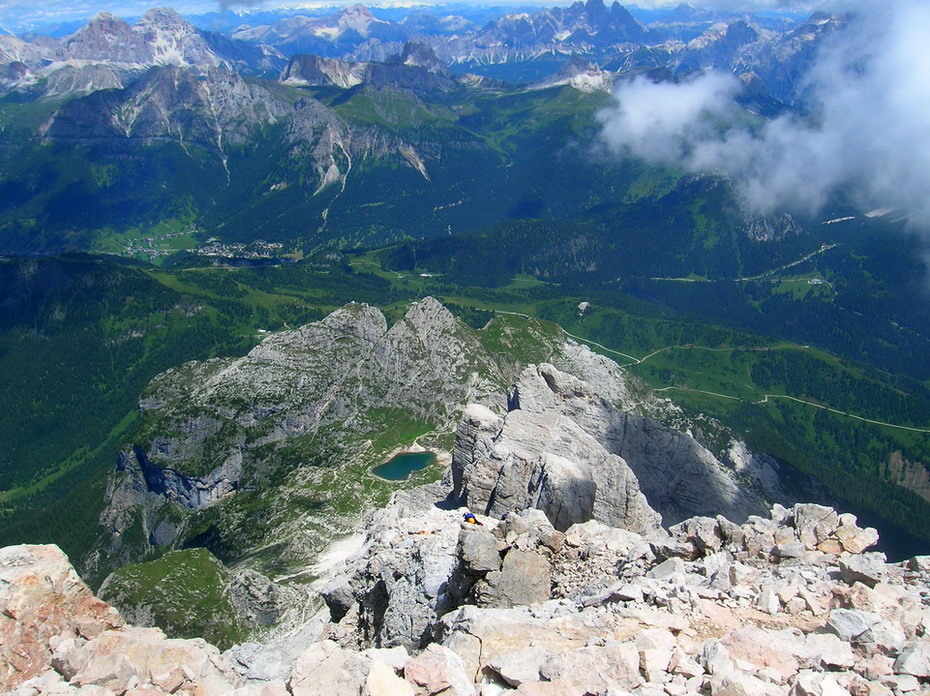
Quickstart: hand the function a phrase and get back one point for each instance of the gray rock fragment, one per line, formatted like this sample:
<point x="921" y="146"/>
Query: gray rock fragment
<point x="914" y="660"/>
<point x="849" y="624"/>
<point x="522" y="579"/>
<point x="868" y="569"/>
<point x="479" y="550"/>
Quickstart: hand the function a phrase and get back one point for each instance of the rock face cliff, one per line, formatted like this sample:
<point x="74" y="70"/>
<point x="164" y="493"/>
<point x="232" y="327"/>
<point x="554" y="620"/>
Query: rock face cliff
<point x="544" y="460"/>
<point x="416" y="69"/>
<point x="561" y="433"/>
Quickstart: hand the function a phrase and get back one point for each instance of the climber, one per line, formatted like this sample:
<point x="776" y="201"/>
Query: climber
<point x="471" y="519"/>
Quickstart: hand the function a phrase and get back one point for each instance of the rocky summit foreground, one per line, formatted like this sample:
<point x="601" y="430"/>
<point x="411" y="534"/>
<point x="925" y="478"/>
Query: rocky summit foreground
<point x="788" y="604"/>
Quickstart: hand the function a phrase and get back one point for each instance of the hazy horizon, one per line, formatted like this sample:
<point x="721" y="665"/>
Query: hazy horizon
<point x="18" y="16"/>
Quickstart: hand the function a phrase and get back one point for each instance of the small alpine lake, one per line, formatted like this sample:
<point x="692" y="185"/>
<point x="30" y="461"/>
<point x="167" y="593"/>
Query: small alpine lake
<point x="401" y="465"/>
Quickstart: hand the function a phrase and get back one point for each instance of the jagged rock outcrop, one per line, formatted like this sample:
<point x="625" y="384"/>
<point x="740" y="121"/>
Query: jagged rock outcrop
<point x="511" y="463"/>
<point x="414" y="567"/>
<point x="42" y="601"/>
<point x="416" y="69"/>
<point x="544" y="460"/>
<point x="406" y="575"/>
<point x="718" y="608"/>
<point x="56" y="637"/>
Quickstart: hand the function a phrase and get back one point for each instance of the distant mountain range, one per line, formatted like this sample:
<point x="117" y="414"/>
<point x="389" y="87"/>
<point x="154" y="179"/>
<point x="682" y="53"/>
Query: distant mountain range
<point x="364" y="128"/>
<point x="108" y="52"/>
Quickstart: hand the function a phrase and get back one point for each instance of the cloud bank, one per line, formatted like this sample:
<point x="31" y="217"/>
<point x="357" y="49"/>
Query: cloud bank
<point x="869" y="131"/>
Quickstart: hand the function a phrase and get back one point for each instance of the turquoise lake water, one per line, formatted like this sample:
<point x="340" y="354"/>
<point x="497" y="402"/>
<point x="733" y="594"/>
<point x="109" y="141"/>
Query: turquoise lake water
<point x="400" y="466"/>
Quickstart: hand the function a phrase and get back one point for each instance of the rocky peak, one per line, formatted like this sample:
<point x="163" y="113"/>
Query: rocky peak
<point x="686" y="13"/>
<point x="542" y="388"/>
<point x="171" y="39"/>
<point x="536" y="457"/>
<point x="678" y="476"/>
<point x="316" y="71"/>
<point x="104" y="21"/>
<point x="420" y="54"/>
<point x="359" y="320"/>
<point x="13" y="49"/>
<point x="622" y="21"/>
<point x="165" y="19"/>
<point x="597" y="11"/>
<point x="429" y="314"/>
<point x="580" y="74"/>
<point x="356" y="19"/>
<point x="741" y="31"/>
<point x="160" y="37"/>
<point x="103" y="37"/>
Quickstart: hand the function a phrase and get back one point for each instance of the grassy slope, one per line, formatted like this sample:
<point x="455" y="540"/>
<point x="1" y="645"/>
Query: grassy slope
<point x="193" y="599"/>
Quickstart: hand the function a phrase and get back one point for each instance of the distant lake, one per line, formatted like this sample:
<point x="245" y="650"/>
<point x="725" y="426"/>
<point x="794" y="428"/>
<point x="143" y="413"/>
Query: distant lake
<point x="400" y="466"/>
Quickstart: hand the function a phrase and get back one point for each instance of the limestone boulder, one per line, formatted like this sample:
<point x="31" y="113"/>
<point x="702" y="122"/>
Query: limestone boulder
<point x="524" y="578"/>
<point x="325" y="668"/>
<point x="439" y="670"/>
<point x="479" y="549"/>
<point x="43" y="601"/>
<point x="914" y="660"/>
<point x="868" y="569"/>
<point x="117" y="659"/>
<point x="595" y="669"/>
<point x="382" y="680"/>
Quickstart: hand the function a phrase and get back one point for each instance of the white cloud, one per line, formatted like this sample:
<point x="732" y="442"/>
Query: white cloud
<point x="869" y="131"/>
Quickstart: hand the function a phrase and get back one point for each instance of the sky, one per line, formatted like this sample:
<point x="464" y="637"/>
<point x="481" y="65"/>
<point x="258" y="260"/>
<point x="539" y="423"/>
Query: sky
<point x="869" y="131"/>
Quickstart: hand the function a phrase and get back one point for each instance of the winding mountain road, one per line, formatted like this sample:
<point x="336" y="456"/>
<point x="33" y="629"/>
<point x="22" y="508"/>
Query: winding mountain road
<point x="765" y="398"/>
